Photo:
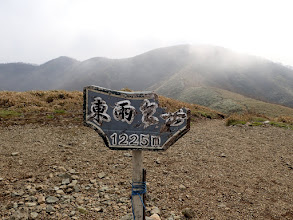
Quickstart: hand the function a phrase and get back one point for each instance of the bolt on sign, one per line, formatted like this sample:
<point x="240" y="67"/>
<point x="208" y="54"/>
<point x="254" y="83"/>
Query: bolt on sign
<point x="132" y="120"/>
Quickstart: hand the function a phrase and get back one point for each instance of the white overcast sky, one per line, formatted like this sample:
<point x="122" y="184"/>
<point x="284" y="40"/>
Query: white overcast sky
<point x="35" y="31"/>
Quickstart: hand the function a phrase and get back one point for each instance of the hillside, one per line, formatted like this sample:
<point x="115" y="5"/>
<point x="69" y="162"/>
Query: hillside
<point x="172" y="71"/>
<point x="225" y="101"/>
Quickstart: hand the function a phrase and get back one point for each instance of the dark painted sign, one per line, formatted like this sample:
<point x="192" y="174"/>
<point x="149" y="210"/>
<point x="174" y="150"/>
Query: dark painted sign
<point x="132" y="120"/>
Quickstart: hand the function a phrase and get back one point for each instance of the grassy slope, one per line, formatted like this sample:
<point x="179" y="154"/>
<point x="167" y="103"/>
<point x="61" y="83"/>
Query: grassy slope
<point x="67" y="107"/>
<point x="221" y="100"/>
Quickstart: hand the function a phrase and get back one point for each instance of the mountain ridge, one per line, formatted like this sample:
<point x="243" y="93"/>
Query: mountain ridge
<point x="169" y="71"/>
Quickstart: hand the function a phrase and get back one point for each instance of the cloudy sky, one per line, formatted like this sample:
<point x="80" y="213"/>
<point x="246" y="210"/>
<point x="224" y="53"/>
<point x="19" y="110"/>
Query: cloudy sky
<point x="35" y="31"/>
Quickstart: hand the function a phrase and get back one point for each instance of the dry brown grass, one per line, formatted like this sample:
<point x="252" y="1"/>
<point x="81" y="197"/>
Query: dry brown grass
<point x="63" y="106"/>
<point x="285" y="119"/>
<point x="40" y="107"/>
<point x="40" y="101"/>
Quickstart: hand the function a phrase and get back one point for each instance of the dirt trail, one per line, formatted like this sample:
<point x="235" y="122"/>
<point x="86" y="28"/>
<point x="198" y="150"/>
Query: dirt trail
<point x="219" y="172"/>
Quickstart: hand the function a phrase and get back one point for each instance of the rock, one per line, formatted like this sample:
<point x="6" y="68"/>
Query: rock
<point x="124" y="200"/>
<point x="60" y="191"/>
<point x="158" y="161"/>
<point x="9" y="205"/>
<point x="155" y="217"/>
<point x="15" y="205"/>
<point x="50" y="209"/>
<point x="155" y="210"/>
<point x="75" y="177"/>
<point x="32" y="191"/>
<point x="31" y="204"/>
<point x="73" y="183"/>
<point x="72" y="213"/>
<point x="127" y="155"/>
<point x="98" y="209"/>
<point x="266" y="122"/>
<point x="51" y="199"/>
<point x="19" y="215"/>
<point x="76" y="188"/>
<point x="223" y="155"/>
<point x="222" y="205"/>
<point x="40" y="187"/>
<point x="188" y="213"/>
<point x="72" y="171"/>
<point x="101" y="175"/>
<point x="69" y="190"/>
<point x="127" y="217"/>
<point x="65" y="181"/>
<point x="81" y="209"/>
<point x="104" y="188"/>
<point x="79" y="200"/>
<point x="1" y="178"/>
<point x="62" y="169"/>
<point x="182" y="187"/>
<point x="66" y="176"/>
<point x="92" y="181"/>
<point x="14" y="153"/>
<point x="34" y="215"/>
<point x="28" y="187"/>
<point x="20" y="193"/>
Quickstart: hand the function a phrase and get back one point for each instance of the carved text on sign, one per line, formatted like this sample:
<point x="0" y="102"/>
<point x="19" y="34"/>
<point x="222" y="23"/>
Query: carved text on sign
<point x="123" y="111"/>
<point x="98" y="111"/>
<point x="148" y="109"/>
<point x="135" y="140"/>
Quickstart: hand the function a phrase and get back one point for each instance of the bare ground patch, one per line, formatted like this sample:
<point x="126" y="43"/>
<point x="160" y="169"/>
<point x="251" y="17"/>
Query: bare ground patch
<point x="219" y="172"/>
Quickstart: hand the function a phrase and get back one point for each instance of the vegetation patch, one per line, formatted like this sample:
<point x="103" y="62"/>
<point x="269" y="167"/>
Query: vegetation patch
<point x="281" y="125"/>
<point x="257" y="120"/>
<point x="9" y="113"/>
<point x="256" y="123"/>
<point x="232" y="122"/>
<point x="59" y="111"/>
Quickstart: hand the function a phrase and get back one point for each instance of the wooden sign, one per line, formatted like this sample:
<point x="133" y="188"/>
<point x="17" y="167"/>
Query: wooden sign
<point x="132" y="120"/>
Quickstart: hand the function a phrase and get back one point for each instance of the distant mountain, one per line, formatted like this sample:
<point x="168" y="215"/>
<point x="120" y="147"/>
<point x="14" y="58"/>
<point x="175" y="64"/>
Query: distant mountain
<point x="199" y="74"/>
<point x="23" y="77"/>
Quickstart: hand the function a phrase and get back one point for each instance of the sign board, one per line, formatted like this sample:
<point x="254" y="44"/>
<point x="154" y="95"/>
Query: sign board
<point x="132" y="120"/>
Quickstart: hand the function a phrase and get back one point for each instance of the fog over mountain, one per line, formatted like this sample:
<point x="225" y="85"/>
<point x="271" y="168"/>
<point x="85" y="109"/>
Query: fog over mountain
<point x="179" y="72"/>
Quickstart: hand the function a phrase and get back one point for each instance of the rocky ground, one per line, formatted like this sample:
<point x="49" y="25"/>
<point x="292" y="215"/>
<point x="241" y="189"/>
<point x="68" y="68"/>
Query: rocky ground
<point x="214" y="172"/>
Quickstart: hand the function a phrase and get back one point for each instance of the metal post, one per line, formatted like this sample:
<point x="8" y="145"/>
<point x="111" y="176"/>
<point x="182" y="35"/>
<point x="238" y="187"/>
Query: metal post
<point x="144" y="180"/>
<point x="137" y="176"/>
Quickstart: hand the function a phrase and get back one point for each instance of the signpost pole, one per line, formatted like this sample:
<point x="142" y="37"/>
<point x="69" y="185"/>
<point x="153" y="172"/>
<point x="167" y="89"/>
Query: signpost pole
<point x="137" y="177"/>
